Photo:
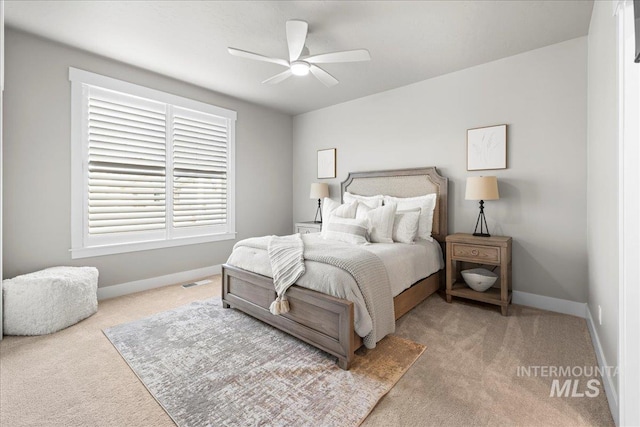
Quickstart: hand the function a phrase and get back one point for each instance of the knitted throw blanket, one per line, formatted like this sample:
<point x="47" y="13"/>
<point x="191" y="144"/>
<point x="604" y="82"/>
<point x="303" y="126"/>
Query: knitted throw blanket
<point x="367" y="270"/>
<point x="287" y="264"/>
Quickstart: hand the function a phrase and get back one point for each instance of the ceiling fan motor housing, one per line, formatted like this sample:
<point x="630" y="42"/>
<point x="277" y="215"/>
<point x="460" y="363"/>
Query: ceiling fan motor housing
<point x="300" y="68"/>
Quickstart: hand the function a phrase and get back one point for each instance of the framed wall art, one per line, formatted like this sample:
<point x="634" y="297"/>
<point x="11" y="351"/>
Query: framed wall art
<point x="327" y="163"/>
<point x="487" y="148"/>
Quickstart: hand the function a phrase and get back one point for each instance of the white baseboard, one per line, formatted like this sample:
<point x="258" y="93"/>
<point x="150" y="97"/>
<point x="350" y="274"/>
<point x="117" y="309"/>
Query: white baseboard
<point x="550" y="304"/>
<point x="157" y="282"/>
<point x="609" y="389"/>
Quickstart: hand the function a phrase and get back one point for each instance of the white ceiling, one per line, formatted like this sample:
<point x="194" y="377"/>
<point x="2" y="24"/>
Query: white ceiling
<point x="409" y="41"/>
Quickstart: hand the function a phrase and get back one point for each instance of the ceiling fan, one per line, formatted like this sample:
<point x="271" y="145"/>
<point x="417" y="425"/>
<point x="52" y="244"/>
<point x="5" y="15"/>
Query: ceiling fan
<point x="301" y="66"/>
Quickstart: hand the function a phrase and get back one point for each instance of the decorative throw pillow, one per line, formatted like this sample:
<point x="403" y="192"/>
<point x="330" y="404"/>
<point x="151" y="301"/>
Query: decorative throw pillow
<point x="369" y="201"/>
<point x="405" y="226"/>
<point x="426" y="204"/>
<point x="331" y="207"/>
<point x="349" y="230"/>
<point x="379" y="221"/>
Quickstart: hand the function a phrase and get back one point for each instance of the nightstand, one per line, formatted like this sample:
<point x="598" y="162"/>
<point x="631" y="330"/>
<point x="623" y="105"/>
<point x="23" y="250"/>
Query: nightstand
<point x="307" y="227"/>
<point x="465" y="249"/>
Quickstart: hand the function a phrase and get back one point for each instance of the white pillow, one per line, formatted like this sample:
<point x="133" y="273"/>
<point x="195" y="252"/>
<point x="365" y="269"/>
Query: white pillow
<point x="405" y="226"/>
<point x="379" y="221"/>
<point x="349" y="230"/>
<point x="426" y="204"/>
<point x="331" y="207"/>
<point x="370" y="201"/>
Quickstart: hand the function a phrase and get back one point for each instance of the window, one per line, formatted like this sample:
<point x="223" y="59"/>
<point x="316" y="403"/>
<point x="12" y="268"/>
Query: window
<point x="149" y="169"/>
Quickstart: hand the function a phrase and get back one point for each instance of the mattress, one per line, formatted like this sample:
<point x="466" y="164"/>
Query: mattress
<point x="406" y="264"/>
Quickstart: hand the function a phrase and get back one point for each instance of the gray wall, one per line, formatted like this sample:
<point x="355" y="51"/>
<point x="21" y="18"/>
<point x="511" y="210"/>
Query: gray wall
<point x="602" y="183"/>
<point x="541" y="95"/>
<point x="37" y="169"/>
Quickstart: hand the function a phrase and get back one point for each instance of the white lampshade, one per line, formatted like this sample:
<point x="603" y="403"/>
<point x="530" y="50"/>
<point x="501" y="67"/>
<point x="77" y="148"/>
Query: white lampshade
<point x="319" y="190"/>
<point x="482" y="188"/>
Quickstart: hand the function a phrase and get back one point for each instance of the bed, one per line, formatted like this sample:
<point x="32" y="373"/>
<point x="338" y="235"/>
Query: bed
<point x="325" y="321"/>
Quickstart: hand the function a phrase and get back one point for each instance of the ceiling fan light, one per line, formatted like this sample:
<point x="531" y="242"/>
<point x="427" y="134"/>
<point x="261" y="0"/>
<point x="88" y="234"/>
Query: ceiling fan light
<point x="300" y="68"/>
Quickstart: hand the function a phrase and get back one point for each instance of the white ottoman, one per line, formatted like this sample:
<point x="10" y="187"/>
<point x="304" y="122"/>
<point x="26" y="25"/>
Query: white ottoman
<point x="49" y="300"/>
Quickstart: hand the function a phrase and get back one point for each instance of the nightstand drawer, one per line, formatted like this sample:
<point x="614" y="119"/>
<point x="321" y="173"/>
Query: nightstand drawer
<point x="306" y="230"/>
<point x="306" y="227"/>
<point x="476" y="253"/>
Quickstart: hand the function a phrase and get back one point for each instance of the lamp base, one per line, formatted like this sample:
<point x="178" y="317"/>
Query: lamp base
<point x="482" y="234"/>
<point x="318" y="213"/>
<point x="482" y="222"/>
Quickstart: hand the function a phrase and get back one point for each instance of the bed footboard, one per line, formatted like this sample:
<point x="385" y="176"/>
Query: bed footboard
<point x="321" y="320"/>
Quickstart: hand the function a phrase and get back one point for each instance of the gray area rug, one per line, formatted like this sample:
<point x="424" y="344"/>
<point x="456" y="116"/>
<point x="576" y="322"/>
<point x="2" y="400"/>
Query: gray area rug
<point x="209" y="366"/>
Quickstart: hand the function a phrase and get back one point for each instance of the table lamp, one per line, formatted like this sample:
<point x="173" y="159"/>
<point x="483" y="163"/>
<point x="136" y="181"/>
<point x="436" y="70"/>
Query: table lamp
<point x="482" y="188"/>
<point x="319" y="191"/>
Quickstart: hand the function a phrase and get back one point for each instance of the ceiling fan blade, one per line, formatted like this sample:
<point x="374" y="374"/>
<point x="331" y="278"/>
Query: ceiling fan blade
<point x="344" y="56"/>
<point x="327" y="79"/>
<point x="257" y="57"/>
<point x="296" y="36"/>
<point x="279" y="77"/>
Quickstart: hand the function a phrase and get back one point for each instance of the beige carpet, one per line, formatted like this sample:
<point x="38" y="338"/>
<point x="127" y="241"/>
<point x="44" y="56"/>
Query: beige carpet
<point x="468" y="375"/>
<point x="210" y="366"/>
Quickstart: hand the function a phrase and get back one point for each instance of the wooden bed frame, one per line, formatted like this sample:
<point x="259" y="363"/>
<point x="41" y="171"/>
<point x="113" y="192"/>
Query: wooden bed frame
<point x="324" y="321"/>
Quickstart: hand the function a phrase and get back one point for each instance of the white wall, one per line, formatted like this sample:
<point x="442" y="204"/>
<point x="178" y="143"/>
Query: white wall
<point x="37" y="165"/>
<point x="602" y="183"/>
<point x="540" y="94"/>
<point x="1" y="133"/>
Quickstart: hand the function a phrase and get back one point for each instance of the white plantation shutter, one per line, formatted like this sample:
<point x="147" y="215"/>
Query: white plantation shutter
<point x="149" y="169"/>
<point x="126" y="162"/>
<point x="200" y="162"/>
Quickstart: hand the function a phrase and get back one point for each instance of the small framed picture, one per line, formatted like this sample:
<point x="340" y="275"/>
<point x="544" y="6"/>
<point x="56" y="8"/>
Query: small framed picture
<point x="487" y="148"/>
<point x="327" y="163"/>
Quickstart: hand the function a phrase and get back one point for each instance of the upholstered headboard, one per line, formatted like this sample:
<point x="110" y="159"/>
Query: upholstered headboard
<point x="404" y="183"/>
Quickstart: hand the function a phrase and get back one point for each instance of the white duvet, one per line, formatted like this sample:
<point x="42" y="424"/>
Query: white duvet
<point x="405" y="264"/>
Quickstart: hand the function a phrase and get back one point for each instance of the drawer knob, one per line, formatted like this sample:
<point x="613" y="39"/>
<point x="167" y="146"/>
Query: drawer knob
<point x="474" y="252"/>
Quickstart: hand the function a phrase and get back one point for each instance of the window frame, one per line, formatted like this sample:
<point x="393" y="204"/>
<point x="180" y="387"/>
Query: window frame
<point x="80" y="245"/>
